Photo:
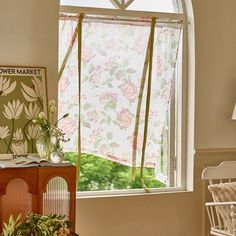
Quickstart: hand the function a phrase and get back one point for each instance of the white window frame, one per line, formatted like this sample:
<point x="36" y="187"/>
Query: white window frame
<point x="185" y="100"/>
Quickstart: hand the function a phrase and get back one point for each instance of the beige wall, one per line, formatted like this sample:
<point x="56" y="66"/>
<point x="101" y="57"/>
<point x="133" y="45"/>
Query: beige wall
<point x="182" y="214"/>
<point x="29" y="37"/>
<point x="215" y="73"/>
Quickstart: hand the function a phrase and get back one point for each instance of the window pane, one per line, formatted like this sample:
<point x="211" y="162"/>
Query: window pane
<point x="153" y="5"/>
<point x="113" y="54"/>
<point x="88" y="3"/>
<point x="137" y="5"/>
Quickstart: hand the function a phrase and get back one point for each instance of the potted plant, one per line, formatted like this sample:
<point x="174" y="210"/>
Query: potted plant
<point x="35" y="225"/>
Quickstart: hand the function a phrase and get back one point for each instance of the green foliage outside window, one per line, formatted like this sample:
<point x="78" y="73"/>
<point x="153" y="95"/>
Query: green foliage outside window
<point x="100" y="174"/>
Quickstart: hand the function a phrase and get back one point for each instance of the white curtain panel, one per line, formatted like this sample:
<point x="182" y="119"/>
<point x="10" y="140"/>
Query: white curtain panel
<point x="113" y="54"/>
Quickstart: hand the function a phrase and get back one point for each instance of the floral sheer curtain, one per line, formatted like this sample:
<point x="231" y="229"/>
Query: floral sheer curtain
<point x="113" y="56"/>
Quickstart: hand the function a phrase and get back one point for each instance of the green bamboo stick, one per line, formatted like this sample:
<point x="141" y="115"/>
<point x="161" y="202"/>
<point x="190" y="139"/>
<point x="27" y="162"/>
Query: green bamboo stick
<point x="148" y="101"/>
<point x="79" y="29"/>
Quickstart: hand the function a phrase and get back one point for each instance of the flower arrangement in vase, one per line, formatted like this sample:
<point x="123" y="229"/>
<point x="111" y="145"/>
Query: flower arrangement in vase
<point x="49" y="144"/>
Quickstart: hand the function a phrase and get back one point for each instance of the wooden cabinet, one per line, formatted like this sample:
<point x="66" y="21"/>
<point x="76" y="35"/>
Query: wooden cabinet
<point x="42" y="190"/>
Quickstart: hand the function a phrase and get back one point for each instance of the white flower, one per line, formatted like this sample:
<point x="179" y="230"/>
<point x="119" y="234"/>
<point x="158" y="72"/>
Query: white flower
<point x="32" y="94"/>
<point x="53" y="109"/>
<point x="13" y="109"/>
<point x="42" y="115"/>
<point x="32" y="111"/>
<point x="52" y="106"/>
<point x="19" y="148"/>
<point x="52" y="103"/>
<point x="53" y="140"/>
<point x="3" y="132"/>
<point x="18" y="135"/>
<point x="5" y="86"/>
<point x="33" y="132"/>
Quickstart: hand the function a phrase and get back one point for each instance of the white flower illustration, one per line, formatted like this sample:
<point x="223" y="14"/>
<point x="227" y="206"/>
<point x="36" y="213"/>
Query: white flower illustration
<point x="32" y="111"/>
<point x="32" y="94"/>
<point x="42" y="115"/>
<point x="33" y="132"/>
<point x="52" y="106"/>
<point x="13" y="109"/>
<point x="18" y="135"/>
<point x="5" y="86"/>
<point x="4" y="132"/>
<point x="19" y="148"/>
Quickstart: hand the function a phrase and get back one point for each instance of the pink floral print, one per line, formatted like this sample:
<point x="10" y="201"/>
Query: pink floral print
<point x="108" y="96"/>
<point x="68" y="125"/>
<point x="63" y="83"/>
<point x="87" y="54"/>
<point x="139" y="142"/>
<point x="129" y="91"/>
<point x="95" y="76"/>
<point x="95" y="135"/>
<point x="124" y="118"/>
<point x="92" y="116"/>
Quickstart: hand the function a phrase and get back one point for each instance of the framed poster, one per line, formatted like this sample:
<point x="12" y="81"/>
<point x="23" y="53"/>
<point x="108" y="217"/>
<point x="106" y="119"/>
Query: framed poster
<point x="23" y="95"/>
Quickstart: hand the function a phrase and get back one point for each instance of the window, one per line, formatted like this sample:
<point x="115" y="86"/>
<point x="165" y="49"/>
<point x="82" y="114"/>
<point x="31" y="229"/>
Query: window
<point x="89" y="3"/>
<point x="138" y="5"/>
<point x="125" y="97"/>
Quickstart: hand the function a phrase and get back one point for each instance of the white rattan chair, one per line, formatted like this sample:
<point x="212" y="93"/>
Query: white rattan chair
<point x="222" y="215"/>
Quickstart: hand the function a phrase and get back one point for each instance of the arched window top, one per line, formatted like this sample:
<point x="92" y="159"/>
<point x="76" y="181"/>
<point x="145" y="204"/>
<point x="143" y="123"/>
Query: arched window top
<point x="170" y="6"/>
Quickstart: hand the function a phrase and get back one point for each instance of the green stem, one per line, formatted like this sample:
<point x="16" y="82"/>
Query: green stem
<point x="67" y="114"/>
<point x="4" y="140"/>
<point x="32" y="145"/>
<point x="25" y="129"/>
<point x="13" y="128"/>
<point x="40" y="102"/>
<point x="52" y="119"/>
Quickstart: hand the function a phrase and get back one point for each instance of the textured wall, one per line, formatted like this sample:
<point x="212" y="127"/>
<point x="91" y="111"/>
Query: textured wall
<point x="29" y="36"/>
<point x="215" y="73"/>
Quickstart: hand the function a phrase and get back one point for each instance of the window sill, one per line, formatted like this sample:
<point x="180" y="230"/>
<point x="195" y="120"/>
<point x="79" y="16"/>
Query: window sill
<point x="128" y="193"/>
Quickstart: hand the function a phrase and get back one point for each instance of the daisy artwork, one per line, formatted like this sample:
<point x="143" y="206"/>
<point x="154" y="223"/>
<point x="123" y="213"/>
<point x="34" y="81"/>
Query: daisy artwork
<point x="22" y="97"/>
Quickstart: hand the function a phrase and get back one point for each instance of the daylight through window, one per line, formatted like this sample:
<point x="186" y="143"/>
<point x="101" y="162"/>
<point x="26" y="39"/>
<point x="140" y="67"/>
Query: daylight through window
<point x="122" y="89"/>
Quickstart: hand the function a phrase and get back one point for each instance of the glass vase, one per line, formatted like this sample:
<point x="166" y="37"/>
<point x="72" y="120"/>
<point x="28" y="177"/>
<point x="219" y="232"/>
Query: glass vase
<point x="57" y="156"/>
<point x="45" y="147"/>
